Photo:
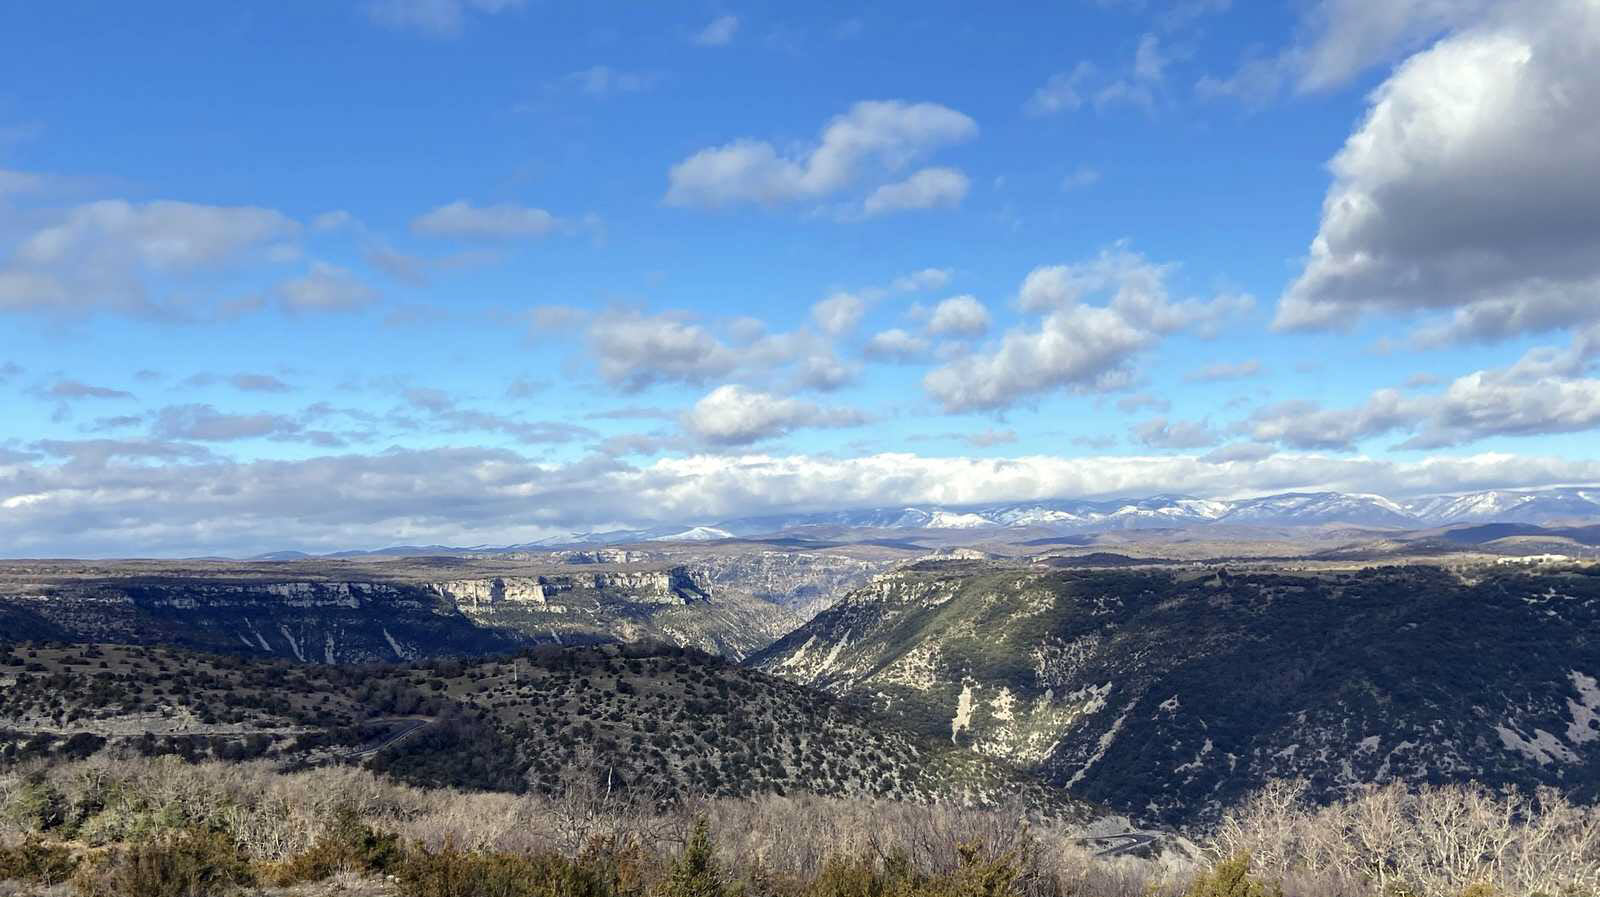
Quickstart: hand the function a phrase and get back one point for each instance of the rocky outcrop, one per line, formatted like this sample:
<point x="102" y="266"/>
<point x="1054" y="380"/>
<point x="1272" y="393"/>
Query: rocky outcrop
<point x="400" y="618"/>
<point x="309" y="621"/>
<point x="560" y="593"/>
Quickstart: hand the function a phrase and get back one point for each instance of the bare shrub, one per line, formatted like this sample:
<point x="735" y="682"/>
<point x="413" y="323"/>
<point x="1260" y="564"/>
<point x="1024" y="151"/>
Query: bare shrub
<point x="189" y="863"/>
<point x="309" y="824"/>
<point x="1431" y="842"/>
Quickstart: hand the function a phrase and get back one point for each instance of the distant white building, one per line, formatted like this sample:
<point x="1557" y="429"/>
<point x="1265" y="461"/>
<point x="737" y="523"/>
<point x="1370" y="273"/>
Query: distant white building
<point x="1534" y="559"/>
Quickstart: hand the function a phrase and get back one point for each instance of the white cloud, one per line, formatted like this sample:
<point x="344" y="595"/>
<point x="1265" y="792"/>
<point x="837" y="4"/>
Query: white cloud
<point x="926" y="279"/>
<point x="105" y="255"/>
<point x="162" y="235"/>
<point x="444" y="412"/>
<point x="839" y="314"/>
<point x="959" y="316"/>
<point x="1084" y="349"/>
<point x="1077" y="347"/>
<point x="203" y="423"/>
<point x="1343" y="38"/>
<point x="635" y="351"/>
<point x="895" y="344"/>
<point x="440" y="18"/>
<point x="502" y="221"/>
<point x="1052" y="286"/>
<point x="326" y="288"/>
<point x="1179" y="434"/>
<point x="1063" y="92"/>
<point x="735" y="415"/>
<point x="1137" y="86"/>
<point x="885" y="134"/>
<point x="1080" y="177"/>
<point x="1126" y="93"/>
<point x="1143" y="401"/>
<point x="1543" y="393"/>
<point x="825" y="371"/>
<point x="1470" y="188"/>
<point x="930" y="188"/>
<point x="718" y="33"/>
<point x="77" y="389"/>
<point x="258" y="383"/>
<point x="604" y="81"/>
<point x="1149" y="63"/>
<point x="1222" y="370"/>
<point x="1350" y="36"/>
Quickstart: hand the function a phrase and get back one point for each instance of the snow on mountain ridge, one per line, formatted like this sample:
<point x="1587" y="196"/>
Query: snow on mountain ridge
<point x="1284" y="509"/>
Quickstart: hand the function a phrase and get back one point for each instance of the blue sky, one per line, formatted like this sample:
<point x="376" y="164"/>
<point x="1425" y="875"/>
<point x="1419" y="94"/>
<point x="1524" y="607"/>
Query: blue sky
<point x="486" y="270"/>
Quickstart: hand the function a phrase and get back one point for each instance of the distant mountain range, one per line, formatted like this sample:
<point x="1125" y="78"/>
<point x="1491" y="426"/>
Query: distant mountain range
<point x="1561" y="505"/>
<point x="1564" y="505"/>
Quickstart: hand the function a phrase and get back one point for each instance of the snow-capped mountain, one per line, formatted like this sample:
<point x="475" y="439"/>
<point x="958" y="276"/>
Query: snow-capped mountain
<point x="1564" y="505"/>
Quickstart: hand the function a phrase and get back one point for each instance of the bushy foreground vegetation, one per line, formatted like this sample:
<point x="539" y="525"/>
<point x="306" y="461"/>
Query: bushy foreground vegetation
<point x="163" y="827"/>
<point x="1447" y="840"/>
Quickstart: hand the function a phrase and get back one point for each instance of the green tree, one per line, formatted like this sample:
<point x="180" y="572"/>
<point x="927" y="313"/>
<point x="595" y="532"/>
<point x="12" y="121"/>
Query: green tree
<point x="695" y="872"/>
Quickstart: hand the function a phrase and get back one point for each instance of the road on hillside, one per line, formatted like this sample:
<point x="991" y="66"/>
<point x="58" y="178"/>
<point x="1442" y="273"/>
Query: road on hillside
<point x="411" y="725"/>
<point x="1131" y="841"/>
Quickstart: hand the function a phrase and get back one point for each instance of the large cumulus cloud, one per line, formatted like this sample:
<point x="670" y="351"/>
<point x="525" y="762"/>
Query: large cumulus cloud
<point x="1472" y="189"/>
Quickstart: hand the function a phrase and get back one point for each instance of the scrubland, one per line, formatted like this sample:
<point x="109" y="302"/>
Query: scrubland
<point x="163" y="827"/>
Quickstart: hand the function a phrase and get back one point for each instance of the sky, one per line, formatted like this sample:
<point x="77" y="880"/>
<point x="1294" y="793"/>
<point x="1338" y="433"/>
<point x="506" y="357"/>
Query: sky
<point x="328" y="275"/>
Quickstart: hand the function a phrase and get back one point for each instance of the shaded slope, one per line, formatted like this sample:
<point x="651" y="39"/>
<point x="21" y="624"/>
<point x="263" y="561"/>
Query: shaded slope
<point x="1176" y="692"/>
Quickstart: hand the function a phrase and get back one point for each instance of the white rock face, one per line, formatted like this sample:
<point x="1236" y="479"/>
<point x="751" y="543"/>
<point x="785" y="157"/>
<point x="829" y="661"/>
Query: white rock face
<point x="963" y="718"/>
<point x="1585" y="711"/>
<point x="562" y="593"/>
<point x="481" y="593"/>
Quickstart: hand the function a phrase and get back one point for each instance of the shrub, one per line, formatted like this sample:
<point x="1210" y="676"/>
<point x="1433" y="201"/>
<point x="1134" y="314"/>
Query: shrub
<point x="1230" y="878"/>
<point x="188" y="863"/>
<point x="695" y="872"/>
<point x="348" y="845"/>
<point x="861" y="877"/>
<point x="979" y="877"/>
<point x="36" y="862"/>
<point x="37" y="806"/>
<point x="450" y="872"/>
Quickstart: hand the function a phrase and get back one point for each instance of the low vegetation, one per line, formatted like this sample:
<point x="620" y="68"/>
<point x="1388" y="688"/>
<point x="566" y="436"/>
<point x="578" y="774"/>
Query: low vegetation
<point x="164" y="827"/>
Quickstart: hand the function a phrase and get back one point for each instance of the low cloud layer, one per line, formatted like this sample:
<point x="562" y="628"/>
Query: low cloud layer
<point x="100" y="498"/>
